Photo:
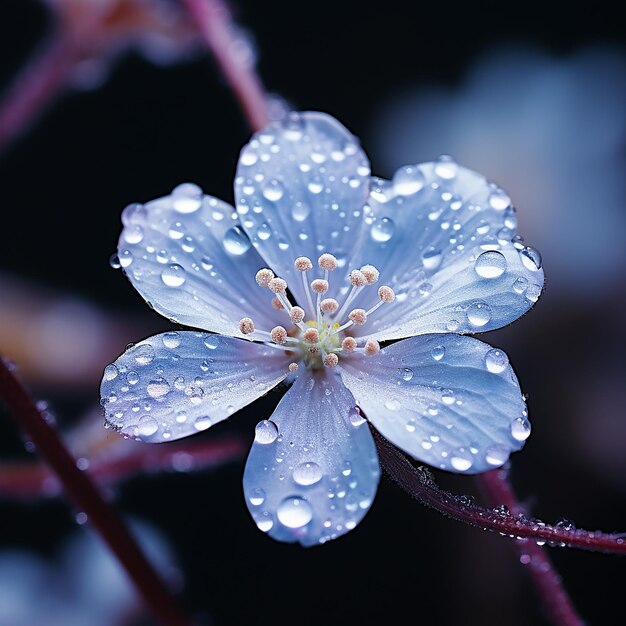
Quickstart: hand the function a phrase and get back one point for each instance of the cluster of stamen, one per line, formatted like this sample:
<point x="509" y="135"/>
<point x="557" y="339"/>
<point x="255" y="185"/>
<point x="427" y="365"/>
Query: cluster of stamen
<point x="319" y="341"/>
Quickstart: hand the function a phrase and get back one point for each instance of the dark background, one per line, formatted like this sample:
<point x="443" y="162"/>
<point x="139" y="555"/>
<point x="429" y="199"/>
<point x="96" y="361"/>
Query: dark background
<point x="147" y="129"/>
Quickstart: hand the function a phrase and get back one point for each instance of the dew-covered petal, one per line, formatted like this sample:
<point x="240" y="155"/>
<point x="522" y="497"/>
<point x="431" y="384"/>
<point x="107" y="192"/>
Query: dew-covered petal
<point x="178" y="383"/>
<point x="188" y="256"/>
<point x="301" y="187"/>
<point x="448" y="400"/>
<point x="446" y="240"/>
<point x="313" y="470"/>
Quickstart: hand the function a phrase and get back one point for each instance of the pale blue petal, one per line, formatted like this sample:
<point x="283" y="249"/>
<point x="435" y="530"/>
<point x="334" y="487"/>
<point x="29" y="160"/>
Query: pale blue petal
<point x="445" y="240"/>
<point x="301" y="188"/>
<point x="313" y="470"/>
<point x="188" y="257"/>
<point x="175" y="384"/>
<point x="448" y="400"/>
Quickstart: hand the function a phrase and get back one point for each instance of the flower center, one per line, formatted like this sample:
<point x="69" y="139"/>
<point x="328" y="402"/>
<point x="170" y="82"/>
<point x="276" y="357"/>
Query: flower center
<point x="319" y="333"/>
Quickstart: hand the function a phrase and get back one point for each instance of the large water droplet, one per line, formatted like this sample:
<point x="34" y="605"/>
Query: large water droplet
<point x="235" y="241"/>
<point x="383" y="229"/>
<point x="438" y="352"/>
<point x="496" y="455"/>
<point x="300" y="211"/>
<point x="110" y="372"/>
<point x="144" y="354"/>
<point x="202" y="423"/>
<point x="173" y="275"/>
<point x="133" y="234"/>
<point x="125" y="258"/>
<point x="273" y="191"/>
<point x="147" y="426"/>
<point x="531" y="258"/>
<point x="294" y="512"/>
<point x="406" y="373"/>
<point x="478" y="313"/>
<point x="264" y="232"/>
<point x="248" y="156"/>
<point x="490" y="264"/>
<point x="307" y="473"/>
<point x="157" y="388"/>
<point x="461" y="460"/>
<point x="171" y="340"/>
<point x="265" y="432"/>
<point x="499" y="200"/>
<point x="187" y="198"/>
<point x="520" y="429"/>
<point x="431" y="257"/>
<point x="257" y="496"/>
<point x="446" y="167"/>
<point x="408" y="180"/>
<point x="496" y="361"/>
<point x="355" y="416"/>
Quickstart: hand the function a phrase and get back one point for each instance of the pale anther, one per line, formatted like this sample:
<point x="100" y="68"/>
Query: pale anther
<point x="296" y="314"/>
<point x="327" y="262"/>
<point x="264" y="276"/>
<point x="277" y="285"/>
<point x="246" y="325"/>
<point x="311" y="335"/>
<point x="348" y="344"/>
<point x="319" y="285"/>
<point x="331" y="360"/>
<point x="357" y="278"/>
<point x="358" y="316"/>
<point x="293" y="367"/>
<point x="303" y="264"/>
<point x="329" y="305"/>
<point x="277" y="304"/>
<point x="386" y="294"/>
<point x="372" y="347"/>
<point x="371" y="274"/>
<point x="279" y="335"/>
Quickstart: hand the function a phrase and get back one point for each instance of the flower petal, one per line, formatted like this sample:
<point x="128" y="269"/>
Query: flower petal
<point x="313" y="470"/>
<point x="445" y="240"/>
<point x="175" y="384"/>
<point x="448" y="400"/>
<point x="301" y="188"/>
<point x="188" y="257"/>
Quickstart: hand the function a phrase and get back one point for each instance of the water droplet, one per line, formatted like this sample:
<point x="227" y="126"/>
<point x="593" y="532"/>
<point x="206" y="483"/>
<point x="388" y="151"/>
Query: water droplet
<point x="411" y="425"/>
<point x="248" y="156"/>
<point x="446" y="167"/>
<point x="176" y="230"/>
<point x="447" y="396"/>
<point x="265" y="432"/>
<point x="408" y="180"/>
<point x="171" y="340"/>
<point x="300" y="211"/>
<point x="531" y="259"/>
<point x="147" y="426"/>
<point x="257" y="496"/>
<point x="499" y="200"/>
<point x="406" y="373"/>
<point x="264" y="232"/>
<point x="461" y="460"/>
<point x="294" y="512"/>
<point x="235" y="241"/>
<point x="533" y="292"/>
<point x="173" y="275"/>
<point x="114" y="262"/>
<point x="490" y="264"/>
<point x="133" y="234"/>
<point x="496" y="361"/>
<point x="144" y="354"/>
<point x="520" y="285"/>
<point x="431" y="257"/>
<point x="438" y="352"/>
<point x="520" y="429"/>
<point x="383" y="229"/>
<point x="202" y="423"/>
<point x="187" y="198"/>
<point x="273" y="191"/>
<point x="265" y="522"/>
<point x="307" y="473"/>
<point x="132" y="378"/>
<point x="496" y="455"/>
<point x="125" y="258"/>
<point x="478" y="313"/>
<point x="392" y="405"/>
<point x="157" y="388"/>
<point x="355" y="417"/>
<point x="110" y="372"/>
<point x="315" y="186"/>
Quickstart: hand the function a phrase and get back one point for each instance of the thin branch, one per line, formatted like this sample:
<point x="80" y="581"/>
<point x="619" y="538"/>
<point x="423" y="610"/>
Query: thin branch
<point x="28" y="480"/>
<point x="89" y="500"/>
<point x="498" y="492"/>
<point x="215" y="23"/>
<point x="419" y="483"/>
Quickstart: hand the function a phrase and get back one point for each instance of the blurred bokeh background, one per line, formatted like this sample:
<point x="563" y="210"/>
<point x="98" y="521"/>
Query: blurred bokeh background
<point x="528" y="98"/>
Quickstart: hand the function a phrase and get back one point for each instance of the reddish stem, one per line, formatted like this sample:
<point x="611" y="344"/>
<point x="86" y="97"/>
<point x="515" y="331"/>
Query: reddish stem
<point x="38" y="84"/>
<point x="33" y="479"/>
<point x="419" y="483"/>
<point x="88" y="499"/>
<point x="498" y="491"/>
<point x="215" y="23"/>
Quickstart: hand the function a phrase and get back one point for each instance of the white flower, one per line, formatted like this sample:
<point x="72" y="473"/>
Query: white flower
<point x="355" y="262"/>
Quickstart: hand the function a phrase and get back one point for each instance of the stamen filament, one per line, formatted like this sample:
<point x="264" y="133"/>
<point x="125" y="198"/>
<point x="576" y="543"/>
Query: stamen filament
<point x="307" y="291"/>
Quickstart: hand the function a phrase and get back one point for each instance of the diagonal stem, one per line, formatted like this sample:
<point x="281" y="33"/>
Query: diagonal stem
<point x="419" y="483"/>
<point x="498" y="491"/>
<point x="88" y="499"/>
<point x="215" y="23"/>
